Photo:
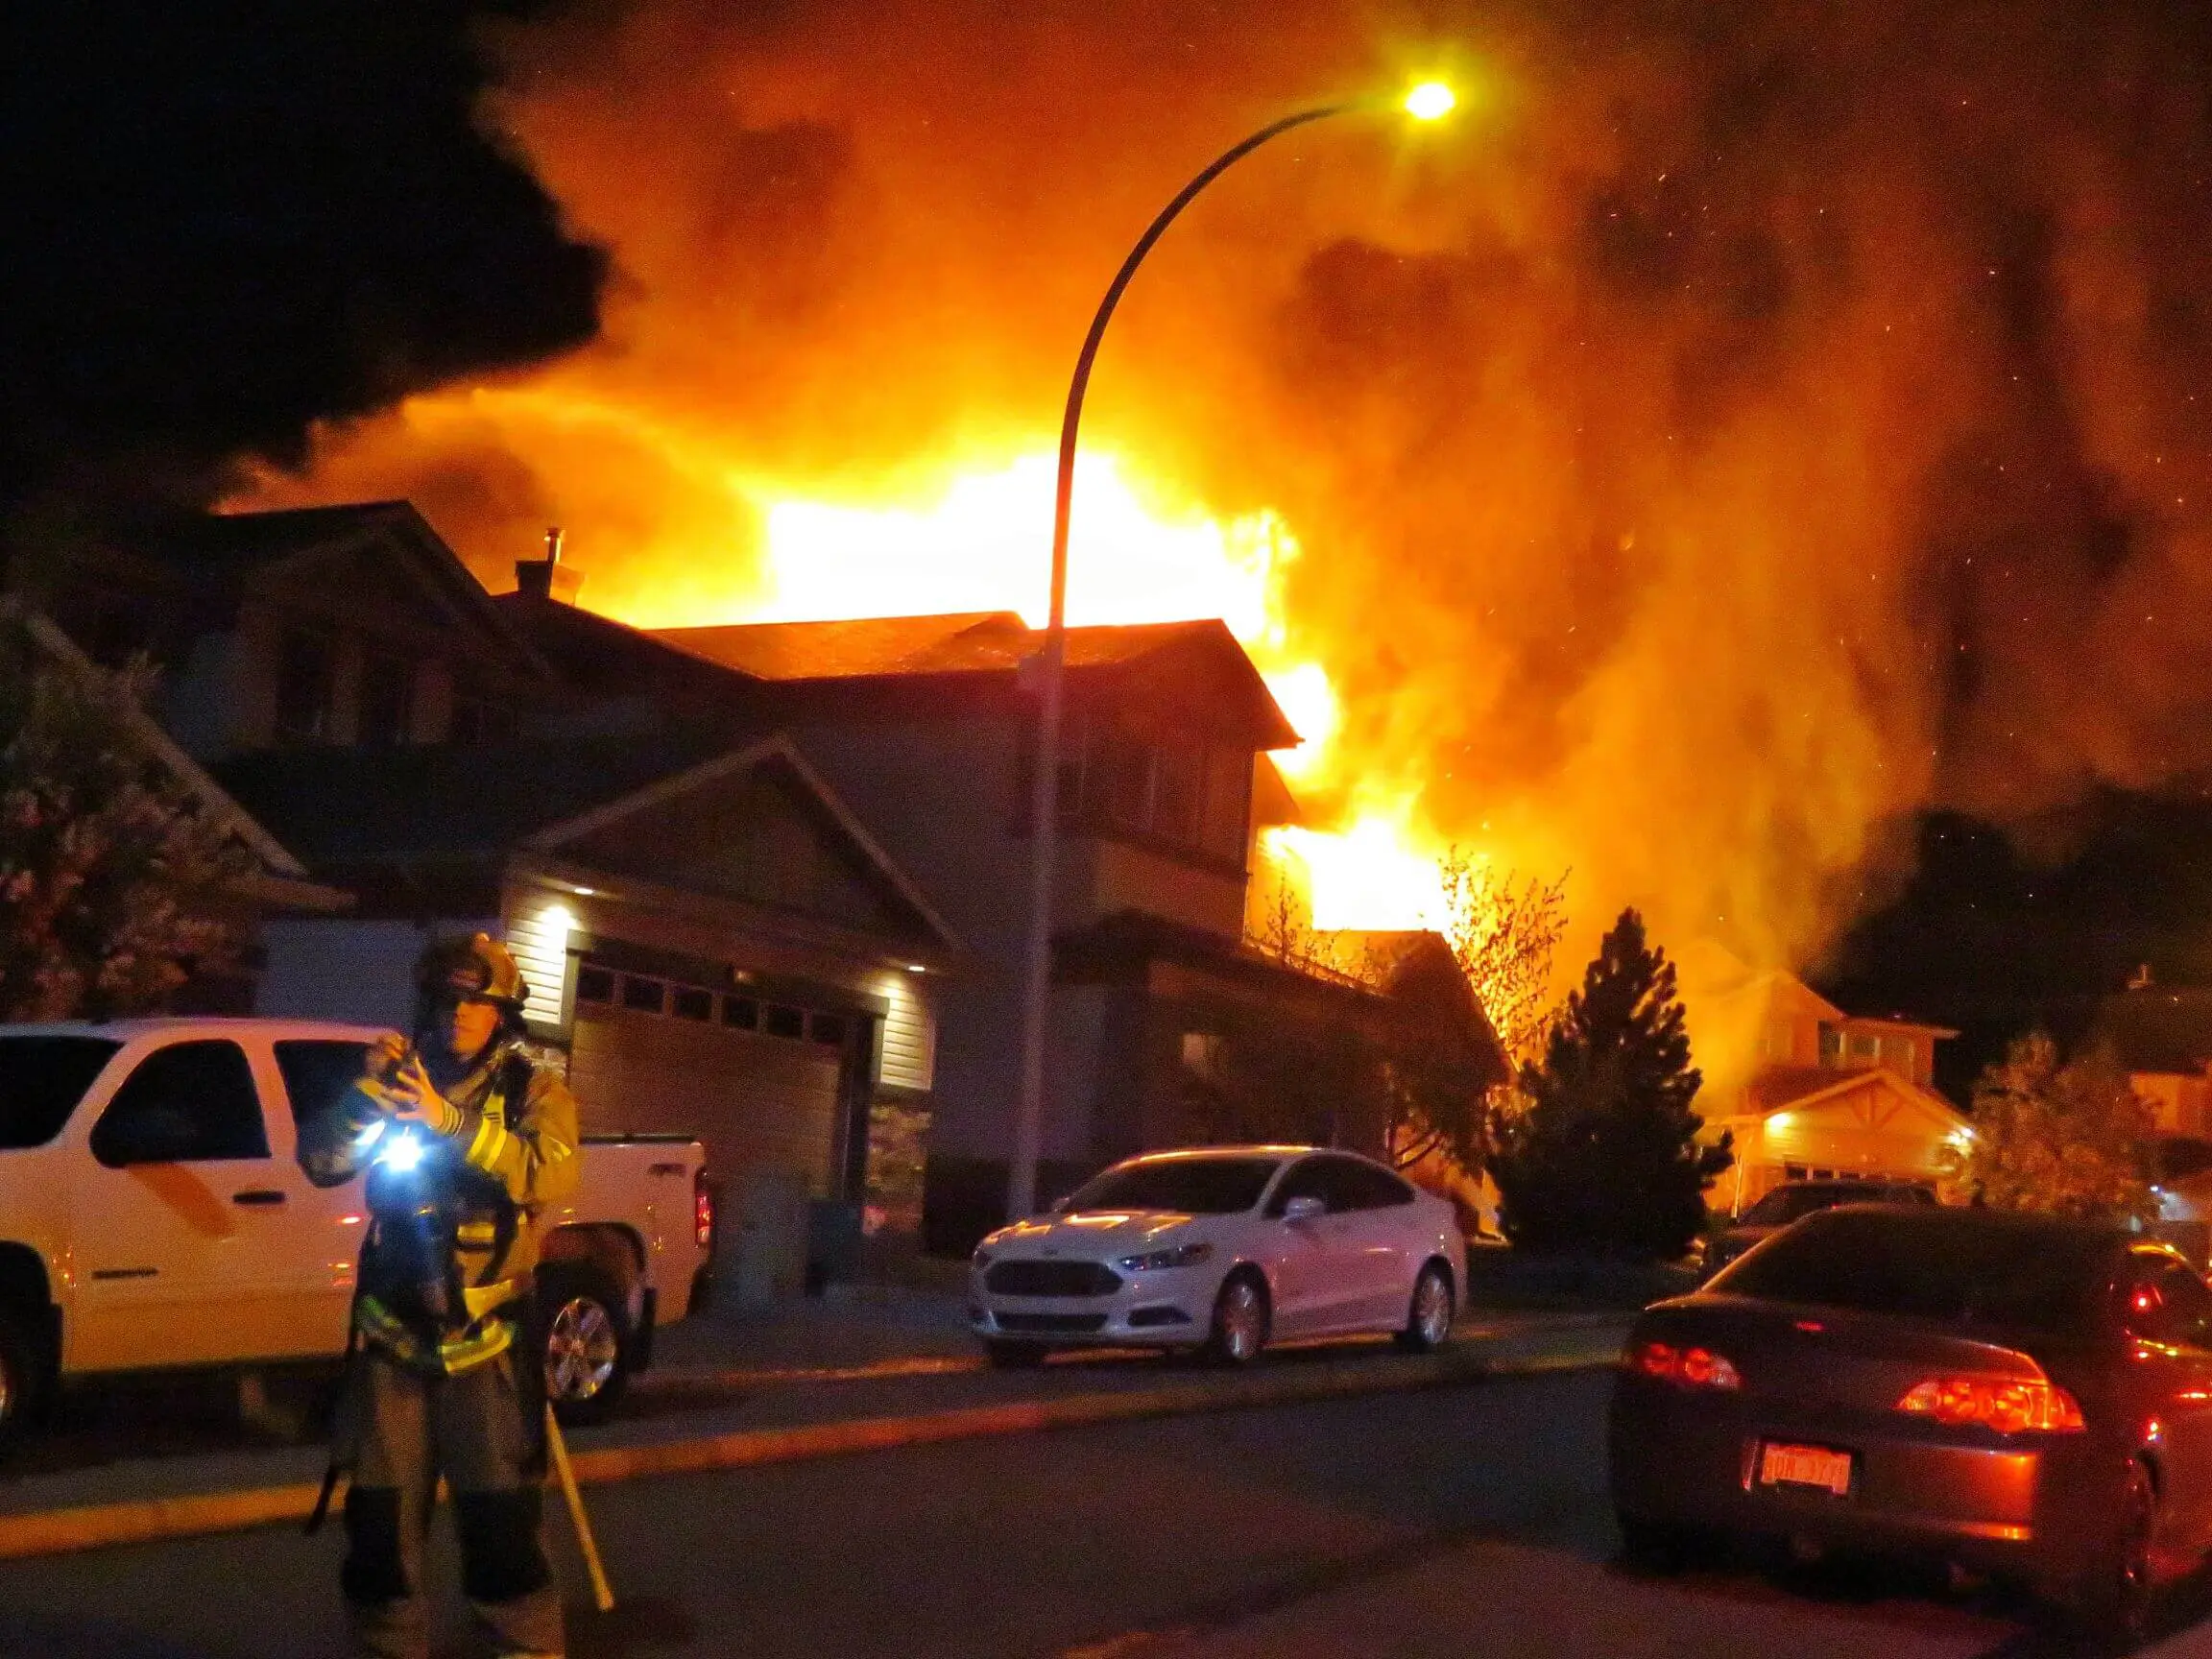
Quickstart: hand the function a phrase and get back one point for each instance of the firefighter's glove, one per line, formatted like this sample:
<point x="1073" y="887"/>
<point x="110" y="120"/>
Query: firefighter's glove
<point x="411" y="1097"/>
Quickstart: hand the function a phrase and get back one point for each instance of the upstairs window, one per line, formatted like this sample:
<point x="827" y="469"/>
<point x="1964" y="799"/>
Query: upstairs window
<point x="307" y="687"/>
<point x="1169" y="789"/>
<point x="387" y="699"/>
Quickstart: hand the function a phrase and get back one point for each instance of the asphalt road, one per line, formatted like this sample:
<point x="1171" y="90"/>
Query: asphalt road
<point x="1458" y="1522"/>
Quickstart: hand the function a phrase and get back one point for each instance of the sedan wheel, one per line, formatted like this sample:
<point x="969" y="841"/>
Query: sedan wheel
<point x="2117" y="1600"/>
<point x="1240" y="1321"/>
<point x="1429" y="1315"/>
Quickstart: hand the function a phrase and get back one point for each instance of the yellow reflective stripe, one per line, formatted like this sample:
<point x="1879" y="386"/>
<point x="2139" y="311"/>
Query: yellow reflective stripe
<point x="481" y="1299"/>
<point x="489" y="1142"/>
<point x="475" y="1233"/>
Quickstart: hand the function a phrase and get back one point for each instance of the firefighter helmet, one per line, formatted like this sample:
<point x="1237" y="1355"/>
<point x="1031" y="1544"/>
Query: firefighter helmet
<point x="478" y="968"/>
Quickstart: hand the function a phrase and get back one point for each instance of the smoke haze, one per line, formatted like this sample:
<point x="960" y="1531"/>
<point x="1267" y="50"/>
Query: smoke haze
<point x="1749" y="424"/>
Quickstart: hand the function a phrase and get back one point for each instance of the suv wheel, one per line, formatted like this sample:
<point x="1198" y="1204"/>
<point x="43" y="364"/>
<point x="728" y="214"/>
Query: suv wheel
<point x="24" y="1372"/>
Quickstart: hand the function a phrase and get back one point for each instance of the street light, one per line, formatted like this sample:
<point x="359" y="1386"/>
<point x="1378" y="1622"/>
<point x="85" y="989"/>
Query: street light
<point x="1429" y="101"/>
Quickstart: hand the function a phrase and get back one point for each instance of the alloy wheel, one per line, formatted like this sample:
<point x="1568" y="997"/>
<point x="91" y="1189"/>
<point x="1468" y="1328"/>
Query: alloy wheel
<point x="1432" y="1310"/>
<point x="582" y="1350"/>
<point x="1242" y="1321"/>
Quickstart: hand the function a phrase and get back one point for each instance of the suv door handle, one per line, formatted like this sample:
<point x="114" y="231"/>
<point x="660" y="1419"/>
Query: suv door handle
<point x="257" y="1195"/>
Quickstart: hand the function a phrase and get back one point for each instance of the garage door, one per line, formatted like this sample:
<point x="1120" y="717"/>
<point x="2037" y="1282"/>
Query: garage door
<point x="757" y="1081"/>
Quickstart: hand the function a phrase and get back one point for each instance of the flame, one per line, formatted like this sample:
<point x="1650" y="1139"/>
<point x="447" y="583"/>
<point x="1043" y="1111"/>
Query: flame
<point x="1370" y="875"/>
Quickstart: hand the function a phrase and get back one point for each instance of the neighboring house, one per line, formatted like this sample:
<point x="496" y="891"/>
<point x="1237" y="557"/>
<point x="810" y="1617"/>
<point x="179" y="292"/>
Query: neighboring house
<point x="2161" y="1035"/>
<point x="1831" y="1095"/>
<point x="328" y="625"/>
<point x="713" y="942"/>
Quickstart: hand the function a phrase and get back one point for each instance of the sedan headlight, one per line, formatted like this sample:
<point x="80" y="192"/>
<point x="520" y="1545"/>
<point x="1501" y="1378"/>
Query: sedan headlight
<point x="1182" y="1255"/>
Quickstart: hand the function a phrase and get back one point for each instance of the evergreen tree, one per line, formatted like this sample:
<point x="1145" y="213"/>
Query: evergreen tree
<point x="1606" y="1157"/>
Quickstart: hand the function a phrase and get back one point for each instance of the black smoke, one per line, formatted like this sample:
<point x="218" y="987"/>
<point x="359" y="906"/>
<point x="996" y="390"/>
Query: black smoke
<point x="223" y="221"/>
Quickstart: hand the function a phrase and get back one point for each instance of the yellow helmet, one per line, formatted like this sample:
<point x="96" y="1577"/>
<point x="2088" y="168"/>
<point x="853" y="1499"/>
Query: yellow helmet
<point x="478" y="966"/>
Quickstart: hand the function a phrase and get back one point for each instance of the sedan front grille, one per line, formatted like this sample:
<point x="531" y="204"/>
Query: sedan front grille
<point x="1051" y="1279"/>
<point x="1052" y="1324"/>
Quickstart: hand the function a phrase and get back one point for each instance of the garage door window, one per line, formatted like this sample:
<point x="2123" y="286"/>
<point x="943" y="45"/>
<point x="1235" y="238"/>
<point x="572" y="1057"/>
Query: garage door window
<point x="594" y="985"/>
<point x="741" y="1012"/>
<point x="786" y="1021"/>
<point x="827" y="1028"/>
<point x="693" y="1003"/>
<point x="646" y="996"/>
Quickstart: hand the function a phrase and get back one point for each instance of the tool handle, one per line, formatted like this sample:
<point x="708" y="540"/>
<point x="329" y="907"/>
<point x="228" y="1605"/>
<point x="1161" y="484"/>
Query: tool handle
<point x="602" y="1593"/>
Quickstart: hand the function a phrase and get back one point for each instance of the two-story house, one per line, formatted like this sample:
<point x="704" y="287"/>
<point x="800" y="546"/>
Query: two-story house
<point x="714" y="942"/>
<point x="1829" y="1093"/>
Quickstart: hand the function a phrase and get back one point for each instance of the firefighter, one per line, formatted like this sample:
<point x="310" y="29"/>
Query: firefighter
<point x="464" y="1141"/>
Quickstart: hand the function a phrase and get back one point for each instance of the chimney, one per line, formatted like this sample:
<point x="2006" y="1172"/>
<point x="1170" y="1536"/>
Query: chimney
<point x="547" y="578"/>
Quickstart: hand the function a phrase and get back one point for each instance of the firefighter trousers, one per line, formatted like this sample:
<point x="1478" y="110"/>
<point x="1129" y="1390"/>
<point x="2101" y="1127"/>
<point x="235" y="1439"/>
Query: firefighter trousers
<point x="401" y="1430"/>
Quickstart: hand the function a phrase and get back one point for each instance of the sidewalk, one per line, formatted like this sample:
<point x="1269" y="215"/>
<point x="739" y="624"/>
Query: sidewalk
<point x="849" y="1372"/>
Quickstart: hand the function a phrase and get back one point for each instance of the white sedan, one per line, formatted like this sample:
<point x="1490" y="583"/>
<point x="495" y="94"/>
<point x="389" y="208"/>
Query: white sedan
<point x="1223" y="1249"/>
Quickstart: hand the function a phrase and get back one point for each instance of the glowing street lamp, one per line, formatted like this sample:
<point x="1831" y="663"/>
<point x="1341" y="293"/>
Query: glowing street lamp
<point x="1429" y="101"/>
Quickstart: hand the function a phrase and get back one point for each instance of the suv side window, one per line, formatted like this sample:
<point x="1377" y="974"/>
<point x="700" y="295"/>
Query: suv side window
<point x="188" y="1103"/>
<point x="316" y="1073"/>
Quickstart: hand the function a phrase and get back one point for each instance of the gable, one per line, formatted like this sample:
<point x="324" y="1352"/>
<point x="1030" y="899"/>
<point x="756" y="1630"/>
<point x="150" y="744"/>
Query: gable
<point x="757" y="832"/>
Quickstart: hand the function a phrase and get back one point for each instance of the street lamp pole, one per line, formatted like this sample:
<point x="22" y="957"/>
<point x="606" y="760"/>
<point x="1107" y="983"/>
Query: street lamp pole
<point x="1426" y="103"/>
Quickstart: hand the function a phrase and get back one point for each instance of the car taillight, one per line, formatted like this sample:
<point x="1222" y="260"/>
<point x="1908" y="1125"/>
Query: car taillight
<point x="2002" y="1404"/>
<point x="703" y="1210"/>
<point x="1692" y="1367"/>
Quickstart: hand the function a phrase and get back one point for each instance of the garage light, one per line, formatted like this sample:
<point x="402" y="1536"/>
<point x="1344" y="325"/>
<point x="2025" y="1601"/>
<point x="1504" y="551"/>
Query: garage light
<point x="917" y="968"/>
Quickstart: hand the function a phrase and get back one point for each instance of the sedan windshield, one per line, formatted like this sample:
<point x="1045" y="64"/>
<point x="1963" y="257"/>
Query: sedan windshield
<point x="1785" y="1204"/>
<point x="1187" y="1185"/>
<point x="41" y="1079"/>
<point x="1933" y="1265"/>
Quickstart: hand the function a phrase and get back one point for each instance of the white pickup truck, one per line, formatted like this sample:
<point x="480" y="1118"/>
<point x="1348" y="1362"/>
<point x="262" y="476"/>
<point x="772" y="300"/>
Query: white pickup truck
<point x="152" y="1214"/>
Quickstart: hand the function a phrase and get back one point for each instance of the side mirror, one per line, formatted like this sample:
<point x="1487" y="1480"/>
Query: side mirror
<point x="1304" y="1209"/>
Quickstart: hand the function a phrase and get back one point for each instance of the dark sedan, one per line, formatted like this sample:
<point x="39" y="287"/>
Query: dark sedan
<point x="1794" y="1202"/>
<point x="2026" y="1396"/>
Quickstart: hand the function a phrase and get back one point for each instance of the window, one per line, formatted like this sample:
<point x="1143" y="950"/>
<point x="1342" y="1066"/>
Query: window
<point x="827" y="1028"/>
<point x="1308" y="1179"/>
<point x="1223" y="1186"/>
<point x="190" y="1102"/>
<point x="2168" y="1302"/>
<point x="1364" y="1186"/>
<point x="41" y="1080"/>
<point x="1164" y="788"/>
<point x="646" y="996"/>
<point x="387" y="705"/>
<point x="786" y="1021"/>
<point x="318" y="1076"/>
<point x="741" y="1013"/>
<point x="691" y="1003"/>
<point x="306" y="687"/>
<point x="1864" y="1047"/>
<point x="594" y="984"/>
<point x="1178" y="787"/>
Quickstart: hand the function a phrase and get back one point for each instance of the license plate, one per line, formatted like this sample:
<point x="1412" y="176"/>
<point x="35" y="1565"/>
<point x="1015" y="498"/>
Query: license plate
<point x="1820" y="1466"/>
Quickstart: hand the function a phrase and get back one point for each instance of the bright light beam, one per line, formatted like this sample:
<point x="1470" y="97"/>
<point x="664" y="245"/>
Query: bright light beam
<point x="1430" y="101"/>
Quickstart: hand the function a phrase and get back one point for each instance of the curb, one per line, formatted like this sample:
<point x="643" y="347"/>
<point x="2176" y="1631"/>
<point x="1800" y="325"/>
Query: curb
<point x="145" y="1521"/>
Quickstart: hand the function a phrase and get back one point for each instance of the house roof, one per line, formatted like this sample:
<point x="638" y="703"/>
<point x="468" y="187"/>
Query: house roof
<point x="233" y="547"/>
<point x="340" y="806"/>
<point x="2159" y="1029"/>
<point x="1796" y="1088"/>
<point x="600" y="656"/>
<point x="975" y="646"/>
<point x="354" y="809"/>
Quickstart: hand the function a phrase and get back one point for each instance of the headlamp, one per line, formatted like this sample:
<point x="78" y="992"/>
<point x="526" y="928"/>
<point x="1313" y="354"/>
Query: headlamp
<point x="1182" y="1255"/>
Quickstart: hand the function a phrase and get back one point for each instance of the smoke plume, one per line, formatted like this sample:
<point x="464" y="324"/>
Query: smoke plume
<point x="1752" y="422"/>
